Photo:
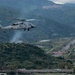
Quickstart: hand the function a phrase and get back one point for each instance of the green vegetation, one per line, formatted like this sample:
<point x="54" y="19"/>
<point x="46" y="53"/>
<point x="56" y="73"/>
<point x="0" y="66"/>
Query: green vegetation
<point x="14" y="56"/>
<point x="54" y="44"/>
<point x="57" y="21"/>
<point x="71" y="52"/>
<point x="55" y="47"/>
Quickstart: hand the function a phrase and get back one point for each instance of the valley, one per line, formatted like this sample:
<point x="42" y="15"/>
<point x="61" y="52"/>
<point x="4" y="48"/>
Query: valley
<point x="50" y="45"/>
<point x="63" y="48"/>
<point x="58" y="44"/>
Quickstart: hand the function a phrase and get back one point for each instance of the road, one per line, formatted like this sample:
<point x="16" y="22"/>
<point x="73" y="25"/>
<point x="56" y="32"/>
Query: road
<point x="68" y="45"/>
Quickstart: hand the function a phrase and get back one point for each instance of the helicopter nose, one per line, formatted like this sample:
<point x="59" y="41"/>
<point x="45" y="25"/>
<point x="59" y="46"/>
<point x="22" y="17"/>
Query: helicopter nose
<point x="32" y="26"/>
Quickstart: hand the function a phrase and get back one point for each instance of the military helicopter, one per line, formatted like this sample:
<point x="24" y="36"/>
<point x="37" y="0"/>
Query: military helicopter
<point x="22" y="24"/>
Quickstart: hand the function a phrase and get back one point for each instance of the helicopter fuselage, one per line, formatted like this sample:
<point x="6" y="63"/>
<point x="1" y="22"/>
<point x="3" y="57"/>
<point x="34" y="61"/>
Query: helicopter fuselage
<point x="18" y="26"/>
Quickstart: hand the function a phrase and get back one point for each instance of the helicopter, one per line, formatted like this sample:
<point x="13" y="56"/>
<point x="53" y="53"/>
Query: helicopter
<point x="24" y="24"/>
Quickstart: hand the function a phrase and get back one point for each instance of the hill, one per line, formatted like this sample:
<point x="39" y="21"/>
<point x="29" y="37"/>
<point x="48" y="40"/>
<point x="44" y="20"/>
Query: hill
<point x="6" y="16"/>
<point x="55" y="20"/>
<point x="19" y="56"/>
<point x="25" y="5"/>
<point x="15" y="56"/>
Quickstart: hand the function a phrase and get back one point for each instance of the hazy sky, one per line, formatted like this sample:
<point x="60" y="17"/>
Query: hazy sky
<point x="63" y="1"/>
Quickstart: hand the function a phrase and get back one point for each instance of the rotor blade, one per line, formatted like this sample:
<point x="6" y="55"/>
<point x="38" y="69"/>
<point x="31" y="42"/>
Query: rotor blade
<point x="26" y="19"/>
<point x="31" y="20"/>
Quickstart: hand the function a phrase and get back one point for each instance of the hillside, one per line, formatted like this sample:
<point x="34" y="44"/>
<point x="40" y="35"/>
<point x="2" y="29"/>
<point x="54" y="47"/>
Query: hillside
<point x="6" y="16"/>
<point x="47" y="28"/>
<point x="25" y="6"/>
<point x="18" y="56"/>
<point x="63" y="14"/>
<point x="15" y="56"/>
<point x="53" y="45"/>
<point x="54" y="21"/>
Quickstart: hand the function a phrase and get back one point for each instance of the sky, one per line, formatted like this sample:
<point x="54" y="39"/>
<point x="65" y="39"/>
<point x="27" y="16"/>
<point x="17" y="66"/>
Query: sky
<point x="63" y="1"/>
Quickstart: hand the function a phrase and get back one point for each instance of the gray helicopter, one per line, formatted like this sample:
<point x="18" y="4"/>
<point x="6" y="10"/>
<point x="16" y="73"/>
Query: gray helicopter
<point x="24" y="24"/>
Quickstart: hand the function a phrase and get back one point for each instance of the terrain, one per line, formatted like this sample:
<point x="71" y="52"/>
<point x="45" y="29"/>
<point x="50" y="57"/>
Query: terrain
<point x="50" y="45"/>
<point x="54" y="20"/>
<point x="19" y="56"/>
<point x="58" y="47"/>
<point x="62" y="48"/>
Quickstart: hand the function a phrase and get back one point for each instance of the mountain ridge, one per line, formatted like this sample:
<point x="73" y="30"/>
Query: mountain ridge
<point x="55" y="22"/>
